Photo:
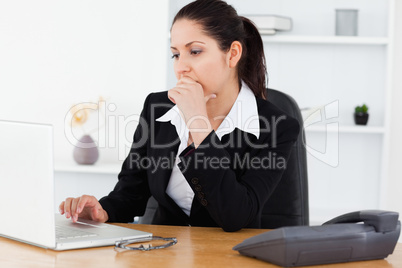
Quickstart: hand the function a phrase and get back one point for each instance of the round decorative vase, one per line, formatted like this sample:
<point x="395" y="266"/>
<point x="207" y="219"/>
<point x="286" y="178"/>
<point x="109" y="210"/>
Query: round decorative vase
<point x="86" y="152"/>
<point x="361" y="118"/>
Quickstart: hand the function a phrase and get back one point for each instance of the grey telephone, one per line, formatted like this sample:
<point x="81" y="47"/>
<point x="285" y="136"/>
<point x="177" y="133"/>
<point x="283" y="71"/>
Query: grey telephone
<point x="356" y="236"/>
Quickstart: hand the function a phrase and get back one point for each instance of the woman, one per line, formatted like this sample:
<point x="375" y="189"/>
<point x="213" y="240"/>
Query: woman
<point x="202" y="148"/>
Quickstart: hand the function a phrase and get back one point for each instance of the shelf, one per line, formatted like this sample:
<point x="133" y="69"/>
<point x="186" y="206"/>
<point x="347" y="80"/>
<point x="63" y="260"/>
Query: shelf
<point x="331" y="40"/>
<point x="347" y="129"/>
<point x="99" y="168"/>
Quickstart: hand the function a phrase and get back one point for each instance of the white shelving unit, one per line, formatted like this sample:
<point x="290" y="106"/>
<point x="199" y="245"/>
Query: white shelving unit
<point x="358" y="180"/>
<point x="330" y="40"/>
<point x="348" y="129"/>
<point x="98" y="168"/>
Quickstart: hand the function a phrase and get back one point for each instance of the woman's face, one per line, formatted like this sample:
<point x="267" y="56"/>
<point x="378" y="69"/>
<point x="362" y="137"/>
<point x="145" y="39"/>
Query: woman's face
<point x="198" y="56"/>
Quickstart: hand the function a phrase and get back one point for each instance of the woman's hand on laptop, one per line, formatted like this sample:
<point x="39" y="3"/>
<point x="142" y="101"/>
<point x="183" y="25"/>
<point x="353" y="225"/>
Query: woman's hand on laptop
<point x="86" y="207"/>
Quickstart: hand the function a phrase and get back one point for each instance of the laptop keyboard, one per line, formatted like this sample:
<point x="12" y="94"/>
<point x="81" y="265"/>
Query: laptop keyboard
<point x="63" y="232"/>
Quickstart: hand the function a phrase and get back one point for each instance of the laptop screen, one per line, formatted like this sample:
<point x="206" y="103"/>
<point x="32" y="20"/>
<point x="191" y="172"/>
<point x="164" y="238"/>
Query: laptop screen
<point x="26" y="182"/>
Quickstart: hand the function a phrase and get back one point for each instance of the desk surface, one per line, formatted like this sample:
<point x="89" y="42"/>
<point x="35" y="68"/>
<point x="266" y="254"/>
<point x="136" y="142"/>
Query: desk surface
<point x="196" y="247"/>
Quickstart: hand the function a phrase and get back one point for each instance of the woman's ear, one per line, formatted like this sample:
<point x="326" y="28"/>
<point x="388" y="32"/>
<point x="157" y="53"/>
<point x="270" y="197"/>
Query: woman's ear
<point x="235" y="53"/>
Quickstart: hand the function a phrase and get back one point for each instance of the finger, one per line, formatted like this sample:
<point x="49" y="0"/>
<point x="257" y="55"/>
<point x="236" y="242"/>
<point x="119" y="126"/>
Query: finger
<point x="171" y="99"/>
<point x="95" y="207"/>
<point x="183" y="88"/>
<point x="98" y="214"/>
<point x="61" y="208"/>
<point x="95" y="214"/>
<point x="211" y="96"/>
<point x="67" y="207"/>
<point x="74" y="215"/>
<point x="184" y="91"/>
<point x="188" y="86"/>
<point x="186" y="79"/>
<point x="82" y="203"/>
<point x="173" y="95"/>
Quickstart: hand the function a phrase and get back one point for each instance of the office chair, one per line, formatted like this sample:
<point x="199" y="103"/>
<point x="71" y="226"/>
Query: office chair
<point x="288" y="205"/>
<point x="148" y="216"/>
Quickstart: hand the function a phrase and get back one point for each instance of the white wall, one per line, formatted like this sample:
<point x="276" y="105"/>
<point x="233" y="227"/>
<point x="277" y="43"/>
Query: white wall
<point x="54" y="54"/>
<point x="394" y="190"/>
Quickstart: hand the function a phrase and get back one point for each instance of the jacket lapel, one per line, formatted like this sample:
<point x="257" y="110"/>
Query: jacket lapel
<point x="163" y="151"/>
<point x="234" y="143"/>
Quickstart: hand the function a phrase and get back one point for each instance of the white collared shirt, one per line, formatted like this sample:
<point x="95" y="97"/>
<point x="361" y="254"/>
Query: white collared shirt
<point x="243" y="115"/>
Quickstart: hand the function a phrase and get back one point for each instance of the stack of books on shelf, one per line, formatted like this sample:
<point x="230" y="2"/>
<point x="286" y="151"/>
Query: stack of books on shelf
<point x="270" y="24"/>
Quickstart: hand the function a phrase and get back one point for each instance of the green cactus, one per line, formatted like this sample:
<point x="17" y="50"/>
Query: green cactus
<point x="361" y="109"/>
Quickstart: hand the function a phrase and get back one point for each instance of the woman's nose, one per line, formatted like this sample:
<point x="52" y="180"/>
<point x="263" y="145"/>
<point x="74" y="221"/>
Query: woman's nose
<point x="182" y="66"/>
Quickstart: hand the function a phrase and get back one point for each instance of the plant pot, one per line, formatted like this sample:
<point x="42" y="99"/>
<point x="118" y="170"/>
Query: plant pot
<point x="86" y="151"/>
<point x="361" y="118"/>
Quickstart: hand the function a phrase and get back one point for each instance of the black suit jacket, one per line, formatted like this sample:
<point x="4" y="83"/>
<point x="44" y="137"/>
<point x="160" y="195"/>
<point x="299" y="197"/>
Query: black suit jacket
<point x="232" y="178"/>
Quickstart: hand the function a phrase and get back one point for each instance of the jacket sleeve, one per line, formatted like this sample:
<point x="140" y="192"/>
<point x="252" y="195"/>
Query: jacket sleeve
<point x="234" y="201"/>
<point x="131" y="193"/>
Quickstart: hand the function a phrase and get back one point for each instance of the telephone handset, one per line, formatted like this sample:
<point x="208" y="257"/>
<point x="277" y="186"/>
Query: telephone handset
<point x="382" y="221"/>
<point x="355" y="236"/>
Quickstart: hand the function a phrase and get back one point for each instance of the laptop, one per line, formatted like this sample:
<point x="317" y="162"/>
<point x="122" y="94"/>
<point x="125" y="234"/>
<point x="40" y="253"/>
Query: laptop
<point x="27" y="202"/>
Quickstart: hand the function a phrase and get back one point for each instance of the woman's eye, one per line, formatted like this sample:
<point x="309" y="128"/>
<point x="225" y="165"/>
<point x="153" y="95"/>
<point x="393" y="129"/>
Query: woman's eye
<point x="192" y="52"/>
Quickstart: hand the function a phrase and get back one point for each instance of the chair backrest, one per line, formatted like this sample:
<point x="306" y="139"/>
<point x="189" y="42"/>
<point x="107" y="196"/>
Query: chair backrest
<point x="147" y="218"/>
<point x="288" y="205"/>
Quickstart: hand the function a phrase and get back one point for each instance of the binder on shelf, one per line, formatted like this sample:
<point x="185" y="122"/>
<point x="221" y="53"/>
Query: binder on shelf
<point x="270" y="24"/>
<point x="267" y="31"/>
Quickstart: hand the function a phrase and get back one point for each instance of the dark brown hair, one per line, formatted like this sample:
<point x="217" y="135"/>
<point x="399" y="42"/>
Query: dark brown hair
<point x="221" y="22"/>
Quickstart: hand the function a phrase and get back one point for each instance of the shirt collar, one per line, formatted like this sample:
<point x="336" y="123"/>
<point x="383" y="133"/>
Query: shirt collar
<point x="175" y="118"/>
<point x="243" y="115"/>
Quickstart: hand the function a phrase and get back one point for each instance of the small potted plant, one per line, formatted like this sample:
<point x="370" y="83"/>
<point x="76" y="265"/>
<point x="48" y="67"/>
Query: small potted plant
<point x="361" y="115"/>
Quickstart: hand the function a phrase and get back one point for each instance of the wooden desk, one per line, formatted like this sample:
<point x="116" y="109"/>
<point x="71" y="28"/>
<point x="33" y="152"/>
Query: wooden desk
<point x="196" y="247"/>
